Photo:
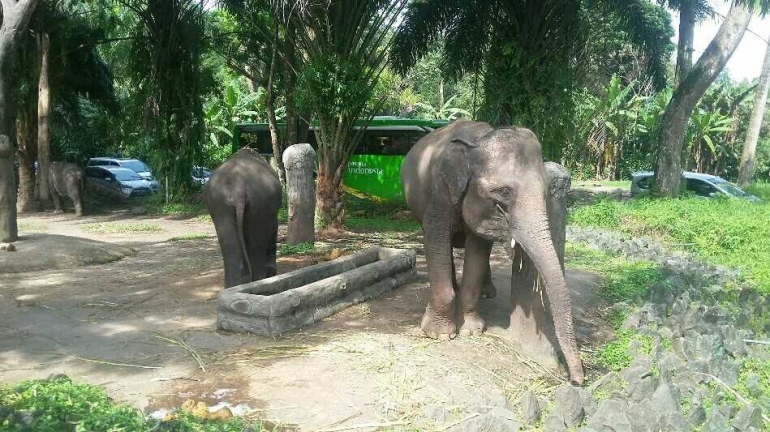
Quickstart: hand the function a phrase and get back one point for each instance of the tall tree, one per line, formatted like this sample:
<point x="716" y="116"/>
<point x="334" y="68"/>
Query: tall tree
<point x="675" y="120"/>
<point x="344" y="45"/>
<point x="531" y="52"/>
<point x="167" y="66"/>
<point x="15" y="15"/>
<point x="43" y="117"/>
<point x="750" y="148"/>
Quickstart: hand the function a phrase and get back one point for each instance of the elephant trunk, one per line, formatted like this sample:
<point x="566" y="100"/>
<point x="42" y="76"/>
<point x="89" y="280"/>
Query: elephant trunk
<point x="530" y="228"/>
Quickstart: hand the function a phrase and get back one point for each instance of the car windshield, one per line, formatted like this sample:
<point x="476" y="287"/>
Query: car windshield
<point x="126" y="175"/>
<point x="137" y="166"/>
<point x="730" y="188"/>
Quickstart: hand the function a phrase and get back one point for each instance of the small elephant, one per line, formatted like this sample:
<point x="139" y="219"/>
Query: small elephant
<point x="67" y="180"/>
<point x="243" y="196"/>
<point x="470" y="184"/>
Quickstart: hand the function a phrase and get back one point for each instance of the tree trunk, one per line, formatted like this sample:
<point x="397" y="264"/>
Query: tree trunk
<point x="272" y="122"/>
<point x="331" y="210"/>
<point x="757" y="115"/>
<point x="43" y="114"/>
<point x="686" y="37"/>
<point x="26" y="132"/>
<point x="16" y="16"/>
<point x="668" y="171"/>
<point x="299" y="160"/>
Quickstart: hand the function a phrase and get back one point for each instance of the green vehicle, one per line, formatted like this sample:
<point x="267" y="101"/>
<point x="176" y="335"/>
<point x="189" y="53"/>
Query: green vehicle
<point x="374" y="168"/>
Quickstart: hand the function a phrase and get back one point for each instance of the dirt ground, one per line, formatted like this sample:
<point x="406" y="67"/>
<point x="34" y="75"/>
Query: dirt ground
<point x="144" y="328"/>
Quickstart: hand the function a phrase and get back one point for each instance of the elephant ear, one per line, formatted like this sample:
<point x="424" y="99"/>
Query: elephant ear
<point x="455" y="169"/>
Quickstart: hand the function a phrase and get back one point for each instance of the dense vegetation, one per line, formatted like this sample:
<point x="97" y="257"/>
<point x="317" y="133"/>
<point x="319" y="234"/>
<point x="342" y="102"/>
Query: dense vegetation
<point x="726" y="232"/>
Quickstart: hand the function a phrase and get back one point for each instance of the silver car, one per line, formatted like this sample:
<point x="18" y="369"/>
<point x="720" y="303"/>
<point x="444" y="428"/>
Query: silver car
<point x="135" y="165"/>
<point x="702" y="185"/>
<point x="116" y="182"/>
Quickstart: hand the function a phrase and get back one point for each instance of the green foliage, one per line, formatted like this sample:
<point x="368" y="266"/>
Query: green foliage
<point x="617" y="354"/>
<point x="758" y="392"/>
<point x="121" y="228"/>
<point x="761" y="190"/>
<point x="189" y="237"/>
<point x="297" y="249"/>
<point x="624" y="281"/>
<point x="60" y="404"/>
<point x="730" y="232"/>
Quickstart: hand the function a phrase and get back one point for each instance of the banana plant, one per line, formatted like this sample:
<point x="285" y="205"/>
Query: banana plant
<point x="706" y="128"/>
<point x="446" y="112"/>
<point x="236" y="106"/>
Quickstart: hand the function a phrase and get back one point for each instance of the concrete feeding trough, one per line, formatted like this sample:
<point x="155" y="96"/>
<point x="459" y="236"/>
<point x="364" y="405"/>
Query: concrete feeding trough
<point x="292" y="300"/>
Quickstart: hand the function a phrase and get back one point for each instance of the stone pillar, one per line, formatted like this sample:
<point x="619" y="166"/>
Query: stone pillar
<point x="299" y="161"/>
<point x="531" y="319"/>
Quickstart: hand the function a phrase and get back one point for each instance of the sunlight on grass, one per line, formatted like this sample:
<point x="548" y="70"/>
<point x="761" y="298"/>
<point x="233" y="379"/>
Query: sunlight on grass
<point x="121" y="228"/>
<point x="729" y="232"/>
<point x="32" y="227"/>
<point x="188" y="237"/>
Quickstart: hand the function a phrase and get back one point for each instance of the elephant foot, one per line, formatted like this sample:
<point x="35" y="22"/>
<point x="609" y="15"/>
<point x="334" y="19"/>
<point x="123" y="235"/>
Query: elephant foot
<point x="488" y="290"/>
<point x="437" y="327"/>
<point x="473" y="325"/>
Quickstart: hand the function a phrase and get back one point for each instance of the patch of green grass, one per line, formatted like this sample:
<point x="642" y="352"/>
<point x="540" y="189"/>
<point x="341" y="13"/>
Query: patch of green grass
<point x="761" y="370"/>
<point x="59" y="404"/>
<point x="617" y="316"/>
<point x="760" y="190"/>
<point x="621" y="184"/>
<point x="623" y="280"/>
<point x="616" y="354"/>
<point x="121" y="228"/>
<point x="382" y="224"/>
<point x="729" y="232"/>
<point x="297" y="249"/>
<point x="188" y="237"/>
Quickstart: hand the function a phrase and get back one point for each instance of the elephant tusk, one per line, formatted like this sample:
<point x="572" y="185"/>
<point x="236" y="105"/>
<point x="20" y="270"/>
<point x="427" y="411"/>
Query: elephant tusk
<point x="513" y="242"/>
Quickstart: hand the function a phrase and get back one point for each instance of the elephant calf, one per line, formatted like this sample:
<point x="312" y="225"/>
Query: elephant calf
<point x="243" y="196"/>
<point x="470" y="184"/>
<point x="66" y="180"/>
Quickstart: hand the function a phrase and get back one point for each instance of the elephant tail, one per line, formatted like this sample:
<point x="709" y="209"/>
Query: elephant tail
<point x="239" y="209"/>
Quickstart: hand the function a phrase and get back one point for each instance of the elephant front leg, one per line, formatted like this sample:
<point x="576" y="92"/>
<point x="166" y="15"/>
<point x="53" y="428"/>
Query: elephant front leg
<point x="438" y="320"/>
<point x="488" y="289"/>
<point x="56" y="202"/>
<point x="475" y="269"/>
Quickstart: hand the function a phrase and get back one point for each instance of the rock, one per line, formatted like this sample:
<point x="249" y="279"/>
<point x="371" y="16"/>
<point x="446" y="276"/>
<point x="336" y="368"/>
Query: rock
<point x="754" y="385"/>
<point x="715" y="422"/>
<point x="569" y="404"/>
<point x="437" y="414"/>
<point x="652" y="313"/>
<point x="7" y="247"/>
<point x="673" y="422"/>
<point x="727" y="371"/>
<point x="641" y="382"/>
<point x="643" y="416"/>
<point x="663" y="400"/>
<point x="497" y="398"/>
<point x="553" y="423"/>
<point x="747" y="418"/>
<point x="22" y="421"/>
<point x="611" y="417"/>
<point x="529" y="408"/>
<point x="697" y="416"/>
<point x="726" y="409"/>
<point x="669" y="365"/>
<point x="608" y="386"/>
<point x="496" y="419"/>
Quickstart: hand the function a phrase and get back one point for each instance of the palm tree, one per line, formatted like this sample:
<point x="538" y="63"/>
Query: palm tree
<point x="344" y="45"/>
<point x="531" y="52"/>
<point x="750" y="148"/>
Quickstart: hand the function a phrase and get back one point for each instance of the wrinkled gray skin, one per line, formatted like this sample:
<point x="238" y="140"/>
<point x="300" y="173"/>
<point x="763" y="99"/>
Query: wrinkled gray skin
<point x="243" y="197"/>
<point x="470" y="184"/>
<point x="66" y="180"/>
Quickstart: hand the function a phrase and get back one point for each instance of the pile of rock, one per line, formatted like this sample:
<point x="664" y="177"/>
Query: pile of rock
<point x="699" y="343"/>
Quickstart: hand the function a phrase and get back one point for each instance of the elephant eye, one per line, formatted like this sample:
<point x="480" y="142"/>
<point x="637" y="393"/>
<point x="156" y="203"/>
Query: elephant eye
<point x="503" y="193"/>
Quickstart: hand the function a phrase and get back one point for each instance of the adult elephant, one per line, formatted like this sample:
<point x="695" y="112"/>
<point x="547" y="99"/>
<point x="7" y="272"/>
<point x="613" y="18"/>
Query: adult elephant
<point x="470" y="184"/>
<point x="66" y="180"/>
<point x="243" y="196"/>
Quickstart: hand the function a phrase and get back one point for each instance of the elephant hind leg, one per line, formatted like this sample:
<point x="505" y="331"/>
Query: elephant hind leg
<point x="75" y="195"/>
<point x="236" y="270"/>
<point x="488" y="289"/>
